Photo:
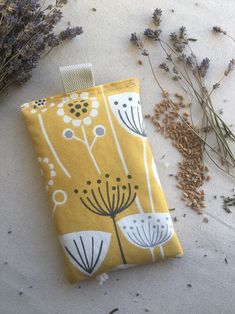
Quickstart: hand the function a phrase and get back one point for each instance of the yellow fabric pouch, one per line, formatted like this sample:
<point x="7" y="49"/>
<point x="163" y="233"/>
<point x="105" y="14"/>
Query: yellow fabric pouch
<point x="106" y="199"/>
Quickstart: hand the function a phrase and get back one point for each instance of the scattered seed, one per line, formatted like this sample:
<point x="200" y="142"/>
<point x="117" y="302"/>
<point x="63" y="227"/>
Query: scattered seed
<point x="147" y="310"/>
<point x="20" y="293"/>
<point x="191" y="174"/>
<point x="175" y="219"/>
<point x="205" y="219"/>
<point x="171" y="209"/>
<point x="226" y="261"/>
<point x="140" y="62"/>
<point x="189" y="285"/>
<point x="94" y="9"/>
<point x="205" y="255"/>
<point x="137" y="294"/>
<point x="9" y="232"/>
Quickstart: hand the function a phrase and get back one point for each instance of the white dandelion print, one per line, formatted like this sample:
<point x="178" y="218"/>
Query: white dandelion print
<point x="127" y="110"/>
<point x="86" y="250"/>
<point x="148" y="230"/>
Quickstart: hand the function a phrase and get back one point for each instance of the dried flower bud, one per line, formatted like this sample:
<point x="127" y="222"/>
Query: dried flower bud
<point x="216" y="85"/>
<point x="145" y="52"/>
<point x="179" y="41"/>
<point x="169" y="57"/>
<point x="230" y="67"/>
<point x="218" y="29"/>
<point x="175" y="78"/>
<point x="182" y="32"/>
<point x="135" y="39"/>
<point x="60" y="3"/>
<point x="173" y="37"/>
<point x="152" y="34"/>
<point x="204" y="66"/>
<point x="164" y="67"/>
<point x="70" y="33"/>
<point x="157" y="16"/>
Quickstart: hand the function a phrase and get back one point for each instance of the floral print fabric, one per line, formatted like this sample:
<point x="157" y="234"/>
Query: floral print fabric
<point x="105" y="196"/>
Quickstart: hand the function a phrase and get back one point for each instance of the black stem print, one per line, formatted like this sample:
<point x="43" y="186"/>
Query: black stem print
<point x="119" y="241"/>
<point x="108" y="199"/>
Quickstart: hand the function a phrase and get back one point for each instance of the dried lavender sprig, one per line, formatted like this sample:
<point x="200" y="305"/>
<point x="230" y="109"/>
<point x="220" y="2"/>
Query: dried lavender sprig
<point x="152" y="33"/>
<point x="220" y="30"/>
<point x="179" y="42"/>
<point x="230" y="67"/>
<point x="157" y="14"/>
<point x="26" y="33"/>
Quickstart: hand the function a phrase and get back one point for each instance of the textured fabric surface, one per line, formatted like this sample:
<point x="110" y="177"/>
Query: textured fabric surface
<point x="107" y="201"/>
<point x="77" y="76"/>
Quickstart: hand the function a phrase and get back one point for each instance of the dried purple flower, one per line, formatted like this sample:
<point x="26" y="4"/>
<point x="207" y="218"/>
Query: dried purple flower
<point x="135" y="38"/>
<point x="190" y="60"/>
<point x="230" y="67"/>
<point x="26" y="33"/>
<point x="182" y="32"/>
<point x="173" y="36"/>
<point x="204" y="66"/>
<point x="164" y="67"/>
<point x="145" y="52"/>
<point x="152" y="34"/>
<point x="70" y="33"/>
<point x="179" y="41"/>
<point x="157" y="16"/>
<point x="169" y="57"/>
<point x="218" y="29"/>
<point x="216" y="85"/>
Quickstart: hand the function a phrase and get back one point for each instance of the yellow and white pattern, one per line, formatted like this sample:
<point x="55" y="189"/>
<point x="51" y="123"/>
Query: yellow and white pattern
<point x="106" y="199"/>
